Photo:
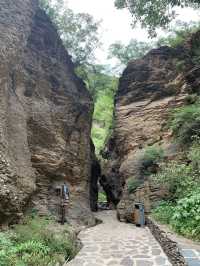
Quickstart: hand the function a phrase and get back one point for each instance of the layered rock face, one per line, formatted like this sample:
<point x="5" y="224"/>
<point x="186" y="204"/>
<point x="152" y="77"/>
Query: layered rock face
<point x="149" y="89"/>
<point x="45" y="117"/>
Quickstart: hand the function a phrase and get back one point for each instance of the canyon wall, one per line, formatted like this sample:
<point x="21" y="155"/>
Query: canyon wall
<point x="149" y="89"/>
<point x="45" y="118"/>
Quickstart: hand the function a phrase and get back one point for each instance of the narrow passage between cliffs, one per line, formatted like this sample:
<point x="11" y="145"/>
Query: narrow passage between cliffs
<point x="115" y="243"/>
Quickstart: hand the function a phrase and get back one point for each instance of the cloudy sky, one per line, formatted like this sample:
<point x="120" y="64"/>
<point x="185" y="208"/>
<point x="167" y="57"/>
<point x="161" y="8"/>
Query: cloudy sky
<point x="116" y="24"/>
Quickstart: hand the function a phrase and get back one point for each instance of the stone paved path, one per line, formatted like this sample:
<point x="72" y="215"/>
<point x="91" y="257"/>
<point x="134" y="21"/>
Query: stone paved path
<point x="189" y="249"/>
<point x="113" y="243"/>
<point x="191" y="255"/>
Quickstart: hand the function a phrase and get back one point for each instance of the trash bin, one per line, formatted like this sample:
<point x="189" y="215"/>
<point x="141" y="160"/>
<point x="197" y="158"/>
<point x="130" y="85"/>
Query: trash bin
<point x="139" y="216"/>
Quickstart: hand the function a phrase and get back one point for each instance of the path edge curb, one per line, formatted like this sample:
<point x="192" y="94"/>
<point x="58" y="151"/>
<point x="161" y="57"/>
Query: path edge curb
<point x="170" y="247"/>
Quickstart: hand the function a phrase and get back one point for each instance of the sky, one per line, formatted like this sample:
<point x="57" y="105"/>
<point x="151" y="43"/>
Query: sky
<point x="116" y="24"/>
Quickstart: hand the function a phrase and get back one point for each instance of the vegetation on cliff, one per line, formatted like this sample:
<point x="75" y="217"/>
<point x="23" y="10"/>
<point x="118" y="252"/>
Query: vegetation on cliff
<point x="182" y="177"/>
<point x="185" y="123"/>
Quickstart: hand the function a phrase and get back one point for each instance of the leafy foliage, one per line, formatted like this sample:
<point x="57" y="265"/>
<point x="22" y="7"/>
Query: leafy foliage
<point x="163" y="213"/>
<point x="185" y="123"/>
<point x="79" y="32"/>
<point x="194" y="155"/>
<point x="183" y="217"/>
<point x="132" y="185"/>
<point x="178" y="34"/>
<point x="35" y="243"/>
<point x="186" y="217"/>
<point x="150" y="158"/>
<point x="97" y="81"/>
<point x="154" y="14"/>
<point x="152" y="154"/>
<point x="102" y="197"/>
<point x="179" y="178"/>
<point x="124" y="53"/>
<point x="183" y="181"/>
<point x="103" y="112"/>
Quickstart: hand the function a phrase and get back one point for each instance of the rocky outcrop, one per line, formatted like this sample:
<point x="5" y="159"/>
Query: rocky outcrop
<point x="94" y="182"/>
<point x="45" y="118"/>
<point x="148" y="90"/>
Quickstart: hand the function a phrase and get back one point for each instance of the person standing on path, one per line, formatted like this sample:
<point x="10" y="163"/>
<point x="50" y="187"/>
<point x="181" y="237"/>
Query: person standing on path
<point x="66" y="192"/>
<point x="65" y="196"/>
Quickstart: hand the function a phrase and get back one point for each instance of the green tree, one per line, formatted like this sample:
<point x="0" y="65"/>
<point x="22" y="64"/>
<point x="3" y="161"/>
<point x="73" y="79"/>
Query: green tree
<point x="79" y="32"/>
<point x="179" y="33"/>
<point x="105" y="88"/>
<point x="153" y="14"/>
<point x="97" y="80"/>
<point x="124" y="53"/>
<point x="80" y="35"/>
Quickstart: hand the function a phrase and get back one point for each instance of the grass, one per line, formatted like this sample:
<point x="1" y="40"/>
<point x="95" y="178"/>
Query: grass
<point x="37" y="242"/>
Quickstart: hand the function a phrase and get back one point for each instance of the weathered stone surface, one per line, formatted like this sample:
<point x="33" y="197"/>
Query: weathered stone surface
<point x="148" y="90"/>
<point x="95" y="175"/>
<point x="117" y="244"/>
<point x="45" y="117"/>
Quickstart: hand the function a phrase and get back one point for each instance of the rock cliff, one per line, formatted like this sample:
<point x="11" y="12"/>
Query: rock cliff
<point x="148" y="90"/>
<point x="45" y="118"/>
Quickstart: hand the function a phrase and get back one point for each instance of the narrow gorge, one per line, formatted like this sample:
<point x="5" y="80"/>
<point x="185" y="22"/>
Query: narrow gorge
<point x="52" y="176"/>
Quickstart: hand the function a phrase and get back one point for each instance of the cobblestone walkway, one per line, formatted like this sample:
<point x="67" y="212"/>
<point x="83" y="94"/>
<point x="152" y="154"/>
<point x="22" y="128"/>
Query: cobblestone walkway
<point x="192" y="256"/>
<point x="189" y="249"/>
<point x="113" y="243"/>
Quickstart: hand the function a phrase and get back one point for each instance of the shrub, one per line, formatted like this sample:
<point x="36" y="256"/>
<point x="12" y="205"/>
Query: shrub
<point x="179" y="178"/>
<point x="152" y="156"/>
<point x="183" y="178"/>
<point x="178" y="34"/>
<point x="32" y="228"/>
<point x="194" y="155"/>
<point x="185" y="123"/>
<point x="191" y="98"/>
<point x="163" y="212"/>
<point x="186" y="217"/>
<point x="183" y="216"/>
<point x="180" y="66"/>
<point x="102" y="197"/>
<point x="132" y="185"/>
<point x="5" y="245"/>
<point x="5" y="241"/>
<point x="35" y="243"/>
